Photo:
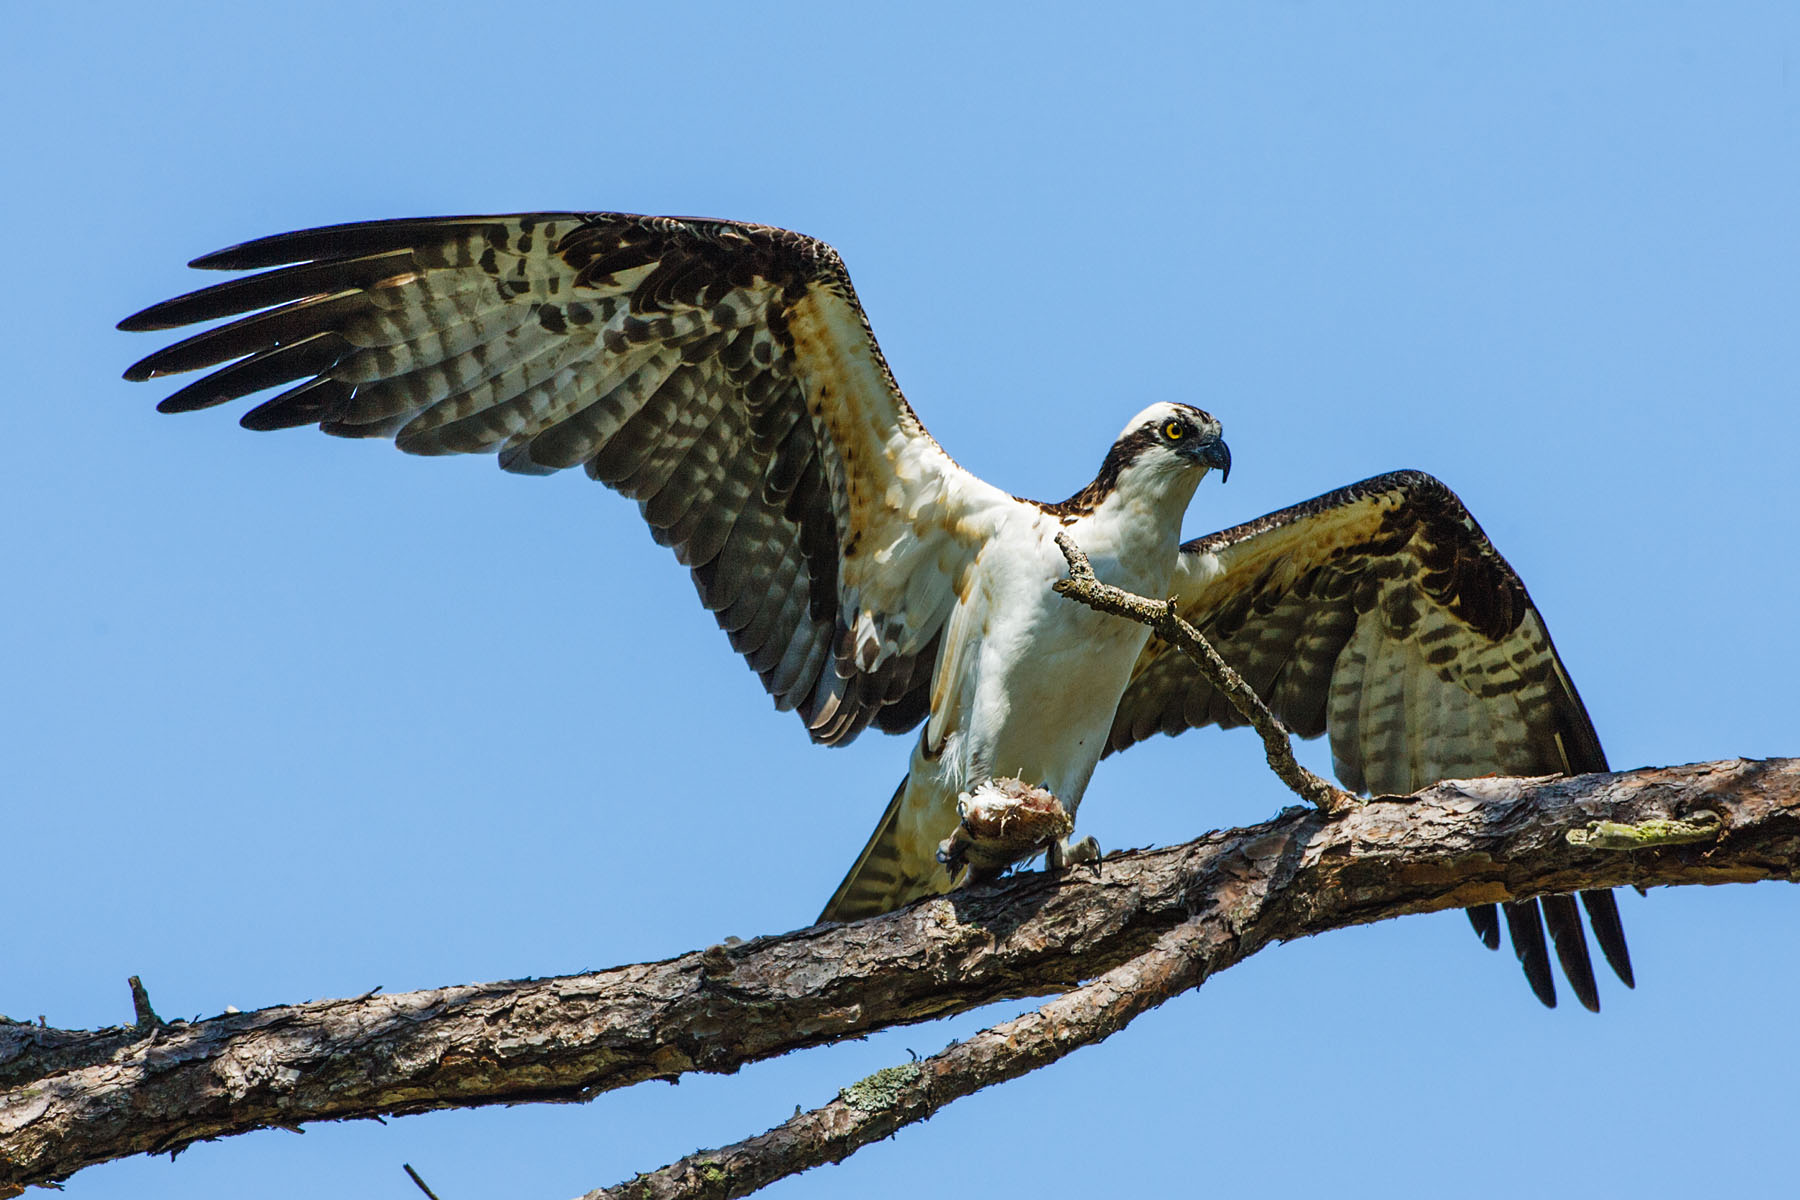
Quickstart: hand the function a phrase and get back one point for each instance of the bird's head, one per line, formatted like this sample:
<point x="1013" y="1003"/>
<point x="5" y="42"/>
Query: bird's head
<point x="1158" y="460"/>
<point x="1171" y="439"/>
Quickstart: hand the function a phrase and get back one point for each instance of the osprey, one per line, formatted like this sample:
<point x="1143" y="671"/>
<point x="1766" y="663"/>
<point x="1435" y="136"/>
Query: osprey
<point x="724" y="376"/>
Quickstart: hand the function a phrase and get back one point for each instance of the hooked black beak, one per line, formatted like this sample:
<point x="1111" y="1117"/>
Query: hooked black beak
<point x="1215" y="454"/>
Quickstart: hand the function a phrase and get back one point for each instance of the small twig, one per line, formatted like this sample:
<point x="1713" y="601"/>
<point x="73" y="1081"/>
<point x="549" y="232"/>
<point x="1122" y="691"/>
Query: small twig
<point x="407" y="1167"/>
<point x="140" y="1004"/>
<point x="875" y="1107"/>
<point x="1167" y="623"/>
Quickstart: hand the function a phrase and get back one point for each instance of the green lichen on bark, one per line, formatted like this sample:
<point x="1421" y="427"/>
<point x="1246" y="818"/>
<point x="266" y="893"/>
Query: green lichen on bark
<point x="882" y="1089"/>
<point x="1702" y="826"/>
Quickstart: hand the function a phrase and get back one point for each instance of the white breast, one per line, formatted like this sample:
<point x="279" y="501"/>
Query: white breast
<point x="1040" y="675"/>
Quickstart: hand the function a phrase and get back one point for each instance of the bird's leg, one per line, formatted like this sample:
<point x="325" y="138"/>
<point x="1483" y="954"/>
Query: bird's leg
<point x="1003" y="822"/>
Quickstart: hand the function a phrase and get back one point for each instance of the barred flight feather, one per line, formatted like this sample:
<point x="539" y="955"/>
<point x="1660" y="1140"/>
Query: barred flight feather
<point x="1420" y="654"/>
<point x="659" y="354"/>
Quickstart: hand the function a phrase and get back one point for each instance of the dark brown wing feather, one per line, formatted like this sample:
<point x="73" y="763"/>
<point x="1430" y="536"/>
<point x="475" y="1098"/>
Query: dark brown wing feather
<point x="1382" y="615"/>
<point x="655" y="352"/>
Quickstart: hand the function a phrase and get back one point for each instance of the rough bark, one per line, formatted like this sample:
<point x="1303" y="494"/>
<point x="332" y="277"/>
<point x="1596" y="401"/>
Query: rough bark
<point x="877" y="1106"/>
<point x="73" y="1098"/>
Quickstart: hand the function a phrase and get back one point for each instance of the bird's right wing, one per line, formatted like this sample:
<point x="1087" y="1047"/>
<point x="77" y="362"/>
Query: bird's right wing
<point x="722" y="375"/>
<point x="1381" y="614"/>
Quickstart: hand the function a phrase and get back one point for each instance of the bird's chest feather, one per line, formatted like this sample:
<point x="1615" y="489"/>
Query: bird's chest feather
<point x="1046" y="674"/>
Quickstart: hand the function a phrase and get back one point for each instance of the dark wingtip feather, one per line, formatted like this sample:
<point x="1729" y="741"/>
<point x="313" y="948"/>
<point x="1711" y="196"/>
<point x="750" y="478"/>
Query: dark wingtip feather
<point x="278" y="249"/>
<point x="349" y="240"/>
<point x="1527" y="930"/>
<point x="1564" y="920"/>
<point x="142" y="370"/>
<point x="147" y="320"/>
<point x="169" y="314"/>
<point x="220" y="260"/>
<point x="1603" y="914"/>
<point x="192" y="398"/>
<point x="1486" y="920"/>
<point x="312" y="403"/>
<point x="275" y="250"/>
<point x="266" y="369"/>
<point x="246" y="294"/>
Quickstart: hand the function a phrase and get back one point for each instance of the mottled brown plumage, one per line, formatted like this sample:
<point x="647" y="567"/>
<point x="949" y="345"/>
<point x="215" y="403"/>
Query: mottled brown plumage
<point x="1381" y="614"/>
<point x="1089" y="498"/>
<point x="654" y="352"/>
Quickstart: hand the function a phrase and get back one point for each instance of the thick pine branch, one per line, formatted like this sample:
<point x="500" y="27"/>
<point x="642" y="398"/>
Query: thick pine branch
<point x="74" y="1098"/>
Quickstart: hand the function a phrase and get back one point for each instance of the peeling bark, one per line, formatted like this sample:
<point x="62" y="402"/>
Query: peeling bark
<point x="74" y="1098"/>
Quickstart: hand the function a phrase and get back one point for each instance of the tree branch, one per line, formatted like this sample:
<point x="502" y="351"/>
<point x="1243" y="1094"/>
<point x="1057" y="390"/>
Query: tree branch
<point x="894" y="1097"/>
<point x="74" y="1098"/>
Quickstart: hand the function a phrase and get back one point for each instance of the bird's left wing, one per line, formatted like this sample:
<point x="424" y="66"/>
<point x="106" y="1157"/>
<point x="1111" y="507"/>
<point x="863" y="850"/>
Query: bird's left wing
<point x="722" y="375"/>
<point x="1382" y="615"/>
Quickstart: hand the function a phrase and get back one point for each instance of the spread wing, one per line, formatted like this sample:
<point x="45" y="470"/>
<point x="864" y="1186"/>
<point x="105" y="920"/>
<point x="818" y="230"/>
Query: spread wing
<point x="722" y="375"/>
<point x="1382" y="615"/>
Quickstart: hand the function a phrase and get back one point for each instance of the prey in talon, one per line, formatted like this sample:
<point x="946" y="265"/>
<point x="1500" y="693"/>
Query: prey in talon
<point x="1004" y="821"/>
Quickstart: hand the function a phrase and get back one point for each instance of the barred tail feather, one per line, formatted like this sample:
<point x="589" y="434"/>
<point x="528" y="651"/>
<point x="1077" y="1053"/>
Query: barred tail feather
<point x="886" y="876"/>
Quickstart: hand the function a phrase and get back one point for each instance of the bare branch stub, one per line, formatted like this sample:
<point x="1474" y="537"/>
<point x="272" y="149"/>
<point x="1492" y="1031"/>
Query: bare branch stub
<point x="140" y="1005"/>
<point x="1084" y="587"/>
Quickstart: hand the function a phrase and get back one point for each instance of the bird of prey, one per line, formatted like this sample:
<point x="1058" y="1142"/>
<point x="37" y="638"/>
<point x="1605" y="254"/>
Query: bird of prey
<point x="724" y="376"/>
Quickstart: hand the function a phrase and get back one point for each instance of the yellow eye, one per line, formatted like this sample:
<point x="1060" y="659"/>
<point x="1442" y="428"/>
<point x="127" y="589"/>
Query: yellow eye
<point x="1174" y="431"/>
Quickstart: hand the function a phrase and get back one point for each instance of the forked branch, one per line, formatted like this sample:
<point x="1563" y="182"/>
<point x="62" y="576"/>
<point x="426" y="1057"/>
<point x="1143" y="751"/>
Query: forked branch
<point x="73" y="1098"/>
<point x="897" y="1096"/>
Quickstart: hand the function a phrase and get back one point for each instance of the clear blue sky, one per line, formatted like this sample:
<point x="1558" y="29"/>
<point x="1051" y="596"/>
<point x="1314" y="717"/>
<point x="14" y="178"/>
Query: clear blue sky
<point x="289" y="717"/>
